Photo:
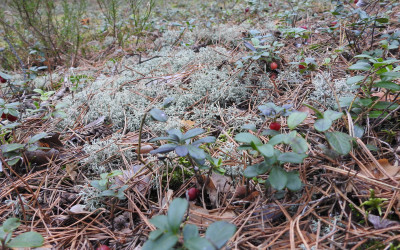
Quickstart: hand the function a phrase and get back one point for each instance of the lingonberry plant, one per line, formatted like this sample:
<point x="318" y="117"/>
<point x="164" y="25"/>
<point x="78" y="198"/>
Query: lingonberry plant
<point x="24" y="240"/>
<point x="12" y="152"/>
<point x="274" y="159"/>
<point x="169" y="234"/>
<point x="9" y="111"/>
<point x="262" y="49"/>
<point x="106" y="186"/>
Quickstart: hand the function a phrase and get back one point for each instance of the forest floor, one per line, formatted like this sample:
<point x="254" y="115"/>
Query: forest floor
<point x="295" y="107"/>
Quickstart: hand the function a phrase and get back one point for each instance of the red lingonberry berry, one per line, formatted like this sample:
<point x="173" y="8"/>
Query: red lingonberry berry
<point x="192" y="193"/>
<point x="275" y="126"/>
<point x="103" y="247"/>
<point x="9" y="117"/>
<point x="2" y="80"/>
<point x="273" y="65"/>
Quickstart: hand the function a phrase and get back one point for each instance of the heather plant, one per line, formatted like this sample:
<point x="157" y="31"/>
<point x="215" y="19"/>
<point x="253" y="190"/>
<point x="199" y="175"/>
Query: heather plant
<point x="141" y="11"/>
<point x="39" y="25"/>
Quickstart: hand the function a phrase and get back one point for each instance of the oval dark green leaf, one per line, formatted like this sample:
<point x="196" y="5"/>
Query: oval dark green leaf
<point x="220" y="232"/>
<point x="158" y="115"/>
<point x="176" y="211"/>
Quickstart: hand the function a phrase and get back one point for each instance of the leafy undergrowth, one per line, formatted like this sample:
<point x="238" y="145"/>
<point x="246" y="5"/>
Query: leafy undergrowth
<point x="277" y="122"/>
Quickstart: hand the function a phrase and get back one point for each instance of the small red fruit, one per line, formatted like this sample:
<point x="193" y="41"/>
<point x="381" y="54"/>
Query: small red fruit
<point x="333" y="24"/>
<point x="103" y="247"/>
<point x="275" y="126"/>
<point x="192" y="193"/>
<point x="247" y="9"/>
<point x="2" y="80"/>
<point x="355" y="1"/>
<point x="301" y="66"/>
<point x="270" y="4"/>
<point x="304" y="27"/>
<point x="273" y="65"/>
<point x="9" y="117"/>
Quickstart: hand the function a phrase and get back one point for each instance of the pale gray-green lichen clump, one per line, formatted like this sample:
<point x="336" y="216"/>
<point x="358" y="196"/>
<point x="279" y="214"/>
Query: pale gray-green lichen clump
<point x="325" y="89"/>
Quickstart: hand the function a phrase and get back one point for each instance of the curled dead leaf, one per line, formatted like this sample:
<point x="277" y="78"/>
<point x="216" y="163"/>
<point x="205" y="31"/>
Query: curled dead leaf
<point x="390" y="169"/>
<point x="78" y="209"/>
<point x="380" y="223"/>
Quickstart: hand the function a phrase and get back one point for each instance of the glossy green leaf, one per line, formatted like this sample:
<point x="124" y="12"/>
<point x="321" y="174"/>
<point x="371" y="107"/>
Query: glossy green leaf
<point x="154" y="235"/>
<point x="158" y="115"/>
<point x="382" y="20"/>
<point x="266" y="150"/>
<point x="355" y="79"/>
<point x="196" y="152"/>
<point x="277" y="139"/>
<point x="292" y="157"/>
<point x="13" y="161"/>
<point x="289" y="137"/>
<point x="293" y="181"/>
<point x="256" y="169"/>
<point x="165" y="242"/>
<point x="388" y="85"/>
<point x="167" y="102"/>
<point x="207" y="139"/>
<point x="198" y="243"/>
<point x="332" y="115"/>
<point x="220" y="232"/>
<point x="181" y="150"/>
<point x="37" y="137"/>
<point x="164" y="149"/>
<point x="108" y="193"/>
<point x="11" y="224"/>
<point x="251" y="127"/>
<point x="377" y="113"/>
<point x="175" y="134"/>
<point x="11" y="147"/>
<point x="339" y="141"/>
<point x="29" y="239"/>
<point x="247" y="138"/>
<point x="190" y="231"/>
<point x="278" y="178"/>
<point x="298" y="144"/>
<point x="322" y="124"/>
<point x="161" y="222"/>
<point x="192" y="133"/>
<point x="363" y="66"/>
<point x="386" y="105"/>
<point x="296" y="118"/>
<point x="176" y="212"/>
<point x="358" y="131"/>
<point x="389" y="76"/>
<point x="270" y="132"/>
